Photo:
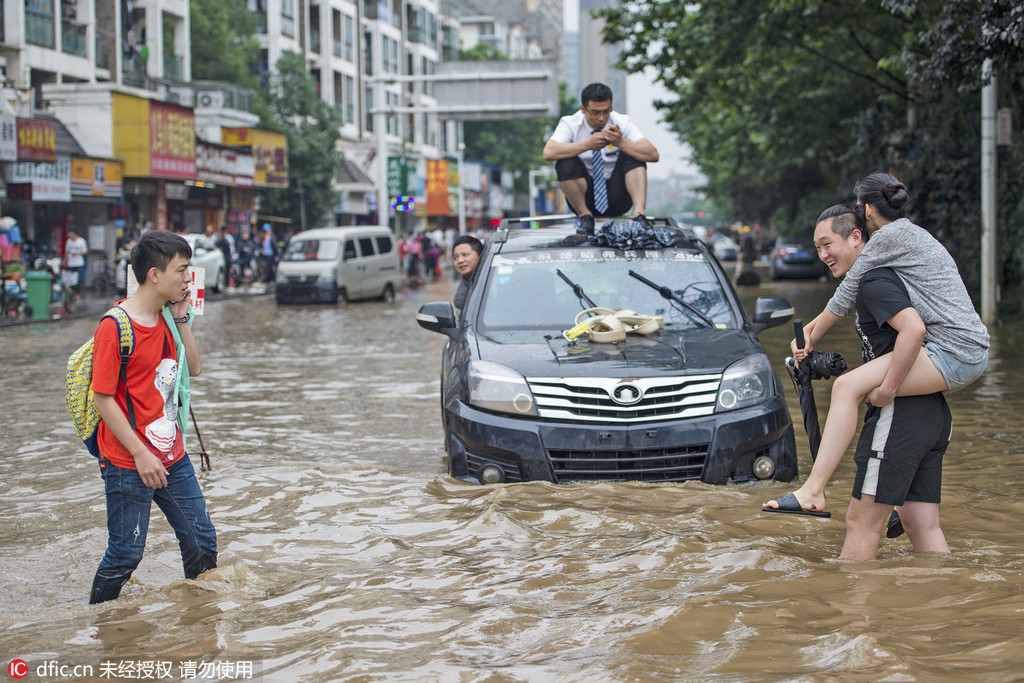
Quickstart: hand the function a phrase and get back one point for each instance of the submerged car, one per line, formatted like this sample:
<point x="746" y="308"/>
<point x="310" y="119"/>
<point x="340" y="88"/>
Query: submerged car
<point x="796" y="257"/>
<point x="522" y="401"/>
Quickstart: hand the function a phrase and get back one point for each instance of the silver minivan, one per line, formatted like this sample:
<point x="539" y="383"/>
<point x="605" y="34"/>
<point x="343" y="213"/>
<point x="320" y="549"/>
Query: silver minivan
<point x="327" y="264"/>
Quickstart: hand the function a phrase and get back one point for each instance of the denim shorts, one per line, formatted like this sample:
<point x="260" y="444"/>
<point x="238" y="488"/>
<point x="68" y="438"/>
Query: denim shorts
<point x="957" y="373"/>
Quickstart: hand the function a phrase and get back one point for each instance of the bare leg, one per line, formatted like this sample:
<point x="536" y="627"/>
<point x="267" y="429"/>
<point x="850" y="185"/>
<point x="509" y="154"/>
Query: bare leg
<point x="636" y="187"/>
<point x="848" y="392"/>
<point x="864" y="520"/>
<point x="575" y="191"/>
<point x="921" y="520"/>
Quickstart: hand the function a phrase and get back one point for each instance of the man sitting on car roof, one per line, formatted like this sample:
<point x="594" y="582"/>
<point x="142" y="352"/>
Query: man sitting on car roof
<point x="598" y="138"/>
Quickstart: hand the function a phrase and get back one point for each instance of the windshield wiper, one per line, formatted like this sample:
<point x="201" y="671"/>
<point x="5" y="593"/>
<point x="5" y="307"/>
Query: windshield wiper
<point x="667" y="293"/>
<point x="578" y="291"/>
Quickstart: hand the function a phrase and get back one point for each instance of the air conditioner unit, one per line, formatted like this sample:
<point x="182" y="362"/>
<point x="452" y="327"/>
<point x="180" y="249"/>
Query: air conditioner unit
<point x="213" y="98"/>
<point x="183" y="96"/>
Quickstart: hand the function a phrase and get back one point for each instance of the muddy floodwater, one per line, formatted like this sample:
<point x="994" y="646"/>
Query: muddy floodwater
<point x="348" y="554"/>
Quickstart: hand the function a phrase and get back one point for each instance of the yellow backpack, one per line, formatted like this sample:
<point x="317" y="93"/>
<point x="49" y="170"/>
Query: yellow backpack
<point x="79" y="376"/>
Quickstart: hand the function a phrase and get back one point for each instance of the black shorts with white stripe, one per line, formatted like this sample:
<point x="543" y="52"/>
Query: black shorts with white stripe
<point x="899" y="453"/>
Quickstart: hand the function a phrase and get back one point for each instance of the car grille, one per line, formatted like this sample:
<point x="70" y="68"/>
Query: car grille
<point x="654" y="465"/>
<point x="592" y="399"/>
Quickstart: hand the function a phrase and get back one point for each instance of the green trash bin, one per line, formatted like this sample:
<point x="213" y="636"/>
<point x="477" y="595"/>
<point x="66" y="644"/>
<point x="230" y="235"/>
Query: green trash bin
<point x="37" y="293"/>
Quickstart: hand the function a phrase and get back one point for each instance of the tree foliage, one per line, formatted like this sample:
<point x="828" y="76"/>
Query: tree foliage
<point x="313" y="130"/>
<point x="788" y="102"/>
<point x="223" y="44"/>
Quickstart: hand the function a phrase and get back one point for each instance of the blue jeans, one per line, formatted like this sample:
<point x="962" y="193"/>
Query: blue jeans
<point x="957" y="374"/>
<point x="128" y="505"/>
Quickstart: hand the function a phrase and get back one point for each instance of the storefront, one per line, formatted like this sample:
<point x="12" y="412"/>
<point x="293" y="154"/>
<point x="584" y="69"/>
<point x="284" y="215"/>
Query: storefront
<point x="223" y="189"/>
<point x="268" y="154"/>
<point x="157" y="141"/>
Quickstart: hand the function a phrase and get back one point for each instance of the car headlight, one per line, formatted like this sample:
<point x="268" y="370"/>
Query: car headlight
<point x="745" y="383"/>
<point x="496" y="387"/>
<point x="326" y="275"/>
<point x="280" y="278"/>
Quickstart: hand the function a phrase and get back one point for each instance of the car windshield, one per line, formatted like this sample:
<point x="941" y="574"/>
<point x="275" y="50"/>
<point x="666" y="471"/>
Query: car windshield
<point x="312" y="250"/>
<point x="525" y="291"/>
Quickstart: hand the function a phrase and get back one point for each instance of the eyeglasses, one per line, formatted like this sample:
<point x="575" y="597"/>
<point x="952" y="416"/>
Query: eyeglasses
<point x="599" y="112"/>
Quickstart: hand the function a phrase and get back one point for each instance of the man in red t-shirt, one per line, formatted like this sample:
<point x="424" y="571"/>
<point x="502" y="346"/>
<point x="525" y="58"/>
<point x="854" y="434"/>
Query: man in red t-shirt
<point x="145" y="460"/>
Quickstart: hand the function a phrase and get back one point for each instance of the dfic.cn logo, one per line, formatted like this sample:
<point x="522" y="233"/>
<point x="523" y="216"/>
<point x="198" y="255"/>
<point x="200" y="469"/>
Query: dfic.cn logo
<point x="17" y="668"/>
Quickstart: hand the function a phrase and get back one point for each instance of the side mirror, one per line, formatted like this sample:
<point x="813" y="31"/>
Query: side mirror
<point x="770" y="311"/>
<point x="437" y="316"/>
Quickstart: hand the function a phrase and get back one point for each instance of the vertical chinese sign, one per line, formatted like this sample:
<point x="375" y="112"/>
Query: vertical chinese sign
<point x="437" y="187"/>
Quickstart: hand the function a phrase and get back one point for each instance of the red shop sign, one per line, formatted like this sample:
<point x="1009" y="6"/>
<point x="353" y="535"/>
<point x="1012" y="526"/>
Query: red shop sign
<point x="37" y="140"/>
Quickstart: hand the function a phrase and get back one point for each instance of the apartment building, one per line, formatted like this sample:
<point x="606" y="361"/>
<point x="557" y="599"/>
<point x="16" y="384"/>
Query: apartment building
<point x="107" y="82"/>
<point x="60" y="167"/>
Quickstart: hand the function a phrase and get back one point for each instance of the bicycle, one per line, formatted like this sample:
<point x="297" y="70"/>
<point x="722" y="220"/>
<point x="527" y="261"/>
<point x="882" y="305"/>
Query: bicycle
<point x="103" y="277"/>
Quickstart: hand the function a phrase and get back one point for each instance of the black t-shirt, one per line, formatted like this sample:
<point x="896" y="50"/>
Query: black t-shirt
<point x="881" y="295"/>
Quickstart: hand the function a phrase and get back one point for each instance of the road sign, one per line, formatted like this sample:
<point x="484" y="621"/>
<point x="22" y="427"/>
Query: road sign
<point x="399" y="171"/>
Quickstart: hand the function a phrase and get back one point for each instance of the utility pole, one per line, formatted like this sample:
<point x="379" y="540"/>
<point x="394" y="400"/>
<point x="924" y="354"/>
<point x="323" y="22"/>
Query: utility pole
<point x="989" y="160"/>
<point x="302" y="203"/>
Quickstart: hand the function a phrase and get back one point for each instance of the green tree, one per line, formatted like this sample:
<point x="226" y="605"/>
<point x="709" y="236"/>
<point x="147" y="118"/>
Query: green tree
<point x="950" y="44"/>
<point x="765" y="90"/>
<point x="223" y="44"/>
<point x="313" y="130"/>
<point x="787" y="102"/>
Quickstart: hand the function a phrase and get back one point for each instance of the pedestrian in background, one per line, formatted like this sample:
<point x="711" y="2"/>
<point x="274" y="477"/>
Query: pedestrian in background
<point x="73" y="264"/>
<point x="268" y="252"/>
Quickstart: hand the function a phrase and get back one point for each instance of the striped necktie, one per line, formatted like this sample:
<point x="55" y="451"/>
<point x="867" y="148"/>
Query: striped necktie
<point x="600" y="191"/>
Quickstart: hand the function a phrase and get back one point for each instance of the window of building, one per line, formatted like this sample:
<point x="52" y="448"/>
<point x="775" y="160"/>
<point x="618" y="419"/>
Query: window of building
<point x="336" y="33"/>
<point x="428" y="67"/>
<point x="39" y="23"/>
<point x="349" y="98"/>
<point x="367" y="53"/>
<point x="348" y="33"/>
<point x="367" y="108"/>
<point x="288" y="18"/>
<point x="394" y="100"/>
<point x="314" y="28"/>
<point x="389" y="53"/>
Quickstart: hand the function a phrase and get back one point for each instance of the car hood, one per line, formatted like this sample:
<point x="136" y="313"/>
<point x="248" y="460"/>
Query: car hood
<point x="669" y="352"/>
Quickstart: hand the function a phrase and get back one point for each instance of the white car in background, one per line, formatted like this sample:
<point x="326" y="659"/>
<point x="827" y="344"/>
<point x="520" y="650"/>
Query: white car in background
<point x="204" y="253"/>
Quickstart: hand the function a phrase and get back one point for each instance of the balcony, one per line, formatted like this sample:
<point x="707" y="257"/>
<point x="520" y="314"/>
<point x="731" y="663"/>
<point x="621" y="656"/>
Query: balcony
<point x="173" y="66"/>
<point x="39" y="23"/>
<point x="72" y="37"/>
<point x="417" y="34"/>
<point x="104" y="51"/>
<point x="133" y="72"/>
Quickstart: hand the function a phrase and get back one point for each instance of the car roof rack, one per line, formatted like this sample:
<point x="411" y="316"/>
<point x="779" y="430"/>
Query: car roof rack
<point x="517" y="222"/>
<point x="520" y="221"/>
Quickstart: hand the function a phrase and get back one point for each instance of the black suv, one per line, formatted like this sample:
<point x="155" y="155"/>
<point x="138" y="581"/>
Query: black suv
<point x="695" y="400"/>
